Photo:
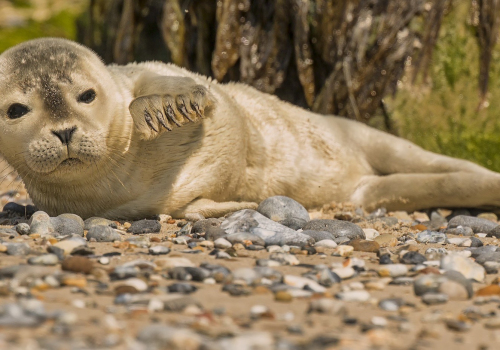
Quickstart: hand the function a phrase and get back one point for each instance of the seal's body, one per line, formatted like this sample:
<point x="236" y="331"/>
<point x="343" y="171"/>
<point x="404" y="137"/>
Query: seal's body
<point x="142" y="139"/>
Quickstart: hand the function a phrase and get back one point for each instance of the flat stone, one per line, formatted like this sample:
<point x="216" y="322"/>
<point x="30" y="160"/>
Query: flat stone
<point x="284" y="210"/>
<point x="103" y="234"/>
<point x="412" y="258"/>
<point x="17" y="249"/>
<point x="361" y="245"/>
<point x="354" y="295"/>
<point x="344" y="272"/>
<point x="303" y="283"/>
<point x="386" y="240"/>
<point x="326" y="243"/>
<point x="284" y="259"/>
<point x="222" y="243"/>
<point x="476" y="224"/>
<point x="159" y="250"/>
<point x="468" y="268"/>
<point x="68" y="246"/>
<point x="371" y="233"/>
<point x="97" y="221"/>
<point x="337" y="227"/>
<point x="271" y="232"/>
<point x="343" y="250"/>
<point x="460" y="231"/>
<point x="44" y="259"/>
<point x="431" y="237"/>
<point x="493" y="289"/>
<point x="78" y="264"/>
<point x="393" y="270"/>
<point x="327" y="306"/>
<point x="144" y="226"/>
<point x="434" y="298"/>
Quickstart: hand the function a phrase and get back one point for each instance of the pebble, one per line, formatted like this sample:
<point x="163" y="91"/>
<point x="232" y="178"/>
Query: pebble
<point x="96" y="221"/>
<point x="204" y="225"/>
<point x="182" y="288"/>
<point x="325" y="243"/>
<point x="493" y="289"/>
<point x="386" y="240"/>
<point x="431" y="237"/>
<point x="271" y="232"/>
<point x="23" y="228"/>
<point x="78" y="264"/>
<point x="67" y="246"/>
<point x="17" y="249"/>
<point x="101" y="233"/>
<point x="243" y="237"/>
<point x="344" y="272"/>
<point x="160" y="336"/>
<point x="159" y="250"/>
<point x="343" y="250"/>
<point x="284" y="259"/>
<point x="460" y="231"/>
<point x="327" y="306"/>
<point x="393" y="270"/>
<point x="67" y="225"/>
<point x="361" y="245"/>
<point x="283" y="296"/>
<point x="371" y="233"/>
<point x="476" y="224"/>
<point x="355" y="295"/>
<point x="303" y="283"/>
<point x="391" y="304"/>
<point x="285" y="211"/>
<point x="144" y="226"/>
<point x="40" y="223"/>
<point x="319" y="235"/>
<point x="337" y="227"/>
<point x="495" y="232"/>
<point x="467" y="267"/>
<point x="222" y="243"/>
<point x="44" y="259"/>
<point x="412" y="258"/>
<point x="434" y="298"/>
<point x="461" y="242"/>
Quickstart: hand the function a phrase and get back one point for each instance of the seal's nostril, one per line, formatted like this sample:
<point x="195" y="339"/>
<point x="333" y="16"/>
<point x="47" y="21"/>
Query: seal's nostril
<point x="65" y="135"/>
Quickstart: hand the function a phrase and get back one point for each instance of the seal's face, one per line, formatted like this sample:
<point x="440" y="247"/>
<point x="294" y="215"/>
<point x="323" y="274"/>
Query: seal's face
<point x="56" y="108"/>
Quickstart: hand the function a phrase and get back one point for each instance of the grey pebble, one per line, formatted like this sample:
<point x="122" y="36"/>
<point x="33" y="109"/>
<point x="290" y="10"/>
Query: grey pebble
<point x="144" y="226"/>
<point x="240" y="237"/>
<point x="460" y="231"/>
<point x="337" y="227"/>
<point x="413" y="258"/>
<point x="213" y="233"/>
<point x="495" y="232"/>
<point x="40" y="223"/>
<point x="477" y="225"/>
<point x="271" y="232"/>
<point x="485" y="257"/>
<point x="44" y="259"/>
<point x="320" y="235"/>
<point x="201" y="226"/>
<point x="182" y="288"/>
<point x="23" y="228"/>
<point x="434" y="298"/>
<point x="476" y="242"/>
<point x="284" y="210"/>
<point x="17" y="249"/>
<point x="428" y="236"/>
<point x="159" y="250"/>
<point x="64" y="226"/>
<point x="391" y="304"/>
<point x="97" y="221"/>
<point x="103" y="234"/>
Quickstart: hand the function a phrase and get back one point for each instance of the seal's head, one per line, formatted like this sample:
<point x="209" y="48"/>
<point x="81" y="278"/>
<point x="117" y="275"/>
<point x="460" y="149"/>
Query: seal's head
<point x="57" y="104"/>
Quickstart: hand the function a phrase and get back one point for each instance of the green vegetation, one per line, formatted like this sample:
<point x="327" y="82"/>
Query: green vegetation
<point x="442" y="116"/>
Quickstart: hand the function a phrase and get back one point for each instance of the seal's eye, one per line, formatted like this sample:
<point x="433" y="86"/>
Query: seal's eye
<point x="17" y="110"/>
<point x="87" y="97"/>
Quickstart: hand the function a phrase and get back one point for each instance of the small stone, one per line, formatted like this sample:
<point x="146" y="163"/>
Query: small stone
<point x="386" y="240"/>
<point x="385" y="259"/>
<point x="17" y="249"/>
<point x="361" y="245"/>
<point x="284" y="259"/>
<point x="465" y="266"/>
<point x="431" y="237"/>
<point x="460" y="231"/>
<point x="303" y="283"/>
<point x="23" y="228"/>
<point x="371" y="233"/>
<point x="160" y="336"/>
<point x="493" y="323"/>
<point x="103" y="234"/>
<point x="319" y="235"/>
<point x="67" y="225"/>
<point x="326" y="243"/>
<point x="74" y="281"/>
<point x="283" y="296"/>
<point x="214" y="233"/>
<point x="344" y="272"/>
<point x="222" y="243"/>
<point x="336" y="227"/>
<point x="454" y="290"/>
<point x="104" y="260"/>
<point x="40" y="223"/>
<point x="144" y="226"/>
<point x="434" y="298"/>
<point x="204" y="225"/>
<point x="44" y="259"/>
<point x="458" y="326"/>
<point x="343" y="250"/>
<point x="78" y="264"/>
<point x="493" y="289"/>
<point x="458" y="241"/>
<point x="391" y="304"/>
<point x="159" y="250"/>
<point x="182" y="288"/>
<point x="67" y="246"/>
<point x="394" y="270"/>
<point x="96" y="221"/>
<point x="355" y="295"/>
<point x="285" y="211"/>
<point x="427" y="284"/>
<point x="476" y="242"/>
<point x="327" y="306"/>
<point x="476" y="224"/>
<point x="412" y="258"/>
<point x="495" y="232"/>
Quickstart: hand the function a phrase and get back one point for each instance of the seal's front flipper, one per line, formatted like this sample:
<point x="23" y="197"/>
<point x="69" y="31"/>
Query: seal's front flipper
<point x="163" y="103"/>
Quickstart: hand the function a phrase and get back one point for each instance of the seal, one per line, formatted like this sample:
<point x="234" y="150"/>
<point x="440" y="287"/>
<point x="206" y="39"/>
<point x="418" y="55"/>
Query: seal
<point x="147" y="138"/>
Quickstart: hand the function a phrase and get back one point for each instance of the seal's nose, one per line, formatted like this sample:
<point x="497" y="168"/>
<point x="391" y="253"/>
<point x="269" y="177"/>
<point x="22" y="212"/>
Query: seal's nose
<point x="65" y="135"/>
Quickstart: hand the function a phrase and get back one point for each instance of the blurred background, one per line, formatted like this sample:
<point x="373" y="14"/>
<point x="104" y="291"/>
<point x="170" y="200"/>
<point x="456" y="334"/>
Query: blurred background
<point x="423" y="70"/>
